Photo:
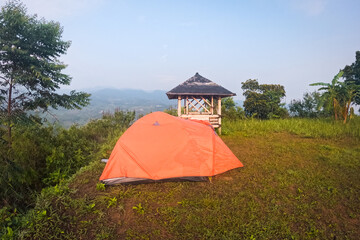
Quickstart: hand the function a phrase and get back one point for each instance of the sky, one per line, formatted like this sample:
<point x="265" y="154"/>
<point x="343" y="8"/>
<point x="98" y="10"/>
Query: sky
<point x="158" y="44"/>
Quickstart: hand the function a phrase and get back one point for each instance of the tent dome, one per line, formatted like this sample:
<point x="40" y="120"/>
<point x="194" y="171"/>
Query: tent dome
<point x="160" y="146"/>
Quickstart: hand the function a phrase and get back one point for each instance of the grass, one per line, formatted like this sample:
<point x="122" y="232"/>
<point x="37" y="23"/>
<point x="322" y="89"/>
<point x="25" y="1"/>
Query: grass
<point x="300" y="180"/>
<point x="316" y="128"/>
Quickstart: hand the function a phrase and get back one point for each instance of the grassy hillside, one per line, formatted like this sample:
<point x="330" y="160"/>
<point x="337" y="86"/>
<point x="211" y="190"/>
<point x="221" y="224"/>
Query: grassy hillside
<point x="300" y="180"/>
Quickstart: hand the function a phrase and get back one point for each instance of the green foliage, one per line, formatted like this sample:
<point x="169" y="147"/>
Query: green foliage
<point x="139" y="209"/>
<point x="10" y="219"/>
<point x="42" y="156"/>
<point x="100" y="186"/>
<point x="112" y="202"/>
<point x="172" y="111"/>
<point x="330" y="98"/>
<point x="109" y="124"/>
<point x="44" y="215"/>
<point x="24" y="164"/>
<point x="71" y="151"/>
<point x="263" y="101"/>
<point x="352" y="75"/>
<point x="30" y="69"/>
<point x="338" y="96"/>
<point x="230" y="111"/>
<point x="309" y="107"/>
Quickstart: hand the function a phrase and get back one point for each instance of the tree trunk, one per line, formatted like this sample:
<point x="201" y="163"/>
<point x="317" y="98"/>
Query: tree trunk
<point x="9" y="112"/>
<point x="335" y="110"/>
<point x="347" y="107"/>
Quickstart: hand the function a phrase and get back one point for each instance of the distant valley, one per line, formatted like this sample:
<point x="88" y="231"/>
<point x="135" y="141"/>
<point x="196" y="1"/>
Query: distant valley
<point x="109" y="99"/>
<point x="106" y="100"/>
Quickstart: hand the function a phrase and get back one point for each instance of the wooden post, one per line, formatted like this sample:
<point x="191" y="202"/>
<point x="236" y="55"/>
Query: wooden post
<point x="187" y="105"/>
<point x="179" y="106"/>
<point x="184" y="105"/>
<point x="219" y="113"/>
<point x="212" y="105"/>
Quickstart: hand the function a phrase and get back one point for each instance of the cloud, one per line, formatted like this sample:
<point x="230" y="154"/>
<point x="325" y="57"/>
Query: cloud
<point x="311" y="7"/>
<point x="57" y="9"/>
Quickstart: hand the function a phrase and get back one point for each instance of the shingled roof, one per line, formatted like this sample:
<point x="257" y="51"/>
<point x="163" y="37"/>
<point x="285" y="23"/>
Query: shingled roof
<point x="199" y="86"/>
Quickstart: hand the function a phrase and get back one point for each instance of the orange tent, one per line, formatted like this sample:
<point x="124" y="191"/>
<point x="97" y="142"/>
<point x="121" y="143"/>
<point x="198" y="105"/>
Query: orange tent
<point x="160" y="146"/>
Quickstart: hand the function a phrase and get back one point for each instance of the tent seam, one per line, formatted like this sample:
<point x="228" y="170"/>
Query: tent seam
<point x="134" y="159"/>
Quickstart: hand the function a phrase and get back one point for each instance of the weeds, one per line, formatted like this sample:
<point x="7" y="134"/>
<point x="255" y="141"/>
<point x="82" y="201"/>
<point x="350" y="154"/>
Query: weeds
<point x="112" y="202"/>
<point x="100" y="186"/>
<point x="139" y="209"/>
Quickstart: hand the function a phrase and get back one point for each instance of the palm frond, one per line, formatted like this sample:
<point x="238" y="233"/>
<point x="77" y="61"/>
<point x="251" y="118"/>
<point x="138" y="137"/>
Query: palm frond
<point x="319" y="84"/>
<point x="337" y="77"/>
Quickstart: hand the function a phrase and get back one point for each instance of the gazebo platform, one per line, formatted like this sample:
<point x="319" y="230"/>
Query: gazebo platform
<point x="199" y="94"/>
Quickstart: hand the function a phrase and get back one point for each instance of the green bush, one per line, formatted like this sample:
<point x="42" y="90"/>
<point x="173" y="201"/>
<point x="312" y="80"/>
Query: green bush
<point x="41" y="156"/>
<point x="230" y="111"/>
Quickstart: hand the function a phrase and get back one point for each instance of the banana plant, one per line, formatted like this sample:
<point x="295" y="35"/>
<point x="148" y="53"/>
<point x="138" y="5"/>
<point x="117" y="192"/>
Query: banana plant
<point x="349" y="92"/>
<point x="332" y="93"/>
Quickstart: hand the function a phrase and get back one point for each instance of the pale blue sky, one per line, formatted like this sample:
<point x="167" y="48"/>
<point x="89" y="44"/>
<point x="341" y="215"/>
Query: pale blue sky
<point x="159" y="44"/>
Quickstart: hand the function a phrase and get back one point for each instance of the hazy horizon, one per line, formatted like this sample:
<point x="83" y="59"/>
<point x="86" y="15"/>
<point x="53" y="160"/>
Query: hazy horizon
<point x="156" y="45"/>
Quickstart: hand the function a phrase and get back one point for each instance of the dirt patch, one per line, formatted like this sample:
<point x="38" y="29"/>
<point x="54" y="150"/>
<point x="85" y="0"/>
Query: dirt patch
<point x="85" y="182"/>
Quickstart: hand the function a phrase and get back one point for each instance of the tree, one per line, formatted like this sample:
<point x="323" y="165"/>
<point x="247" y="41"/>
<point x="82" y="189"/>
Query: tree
<point x="309" y="107"/>
<point x="348" y="92"/>
<point x="352" y="75"/>
<point x="339" y="96"/>
<point x="230" y="111"/>
<point x="330" y="98"/>
<point x="263" y="100"/>
<point x="30" y="71"/>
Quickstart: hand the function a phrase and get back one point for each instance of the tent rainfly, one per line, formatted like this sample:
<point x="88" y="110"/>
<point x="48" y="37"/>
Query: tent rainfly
<point x="199" y="94"/>
<point x="159" y="146"/>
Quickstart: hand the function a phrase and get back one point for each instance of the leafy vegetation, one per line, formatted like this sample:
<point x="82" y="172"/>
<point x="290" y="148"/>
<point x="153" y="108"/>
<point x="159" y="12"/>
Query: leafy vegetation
<point x="352" y="75"/>
<point x="339" y="97"/>
<point x="42" y="156"/>
<point x="309" y="107"/>
<point x="263" y="101"/>
<point x="30" y="70"/>
<point x="230" y="111"/>
<point x="295" y="184"/>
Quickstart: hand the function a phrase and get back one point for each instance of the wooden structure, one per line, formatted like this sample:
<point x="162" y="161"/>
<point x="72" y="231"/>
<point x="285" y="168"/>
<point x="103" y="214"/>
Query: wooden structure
<point x="201" y="99"/>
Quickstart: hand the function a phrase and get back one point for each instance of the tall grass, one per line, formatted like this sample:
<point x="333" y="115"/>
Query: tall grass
<point x="325" y="128"/>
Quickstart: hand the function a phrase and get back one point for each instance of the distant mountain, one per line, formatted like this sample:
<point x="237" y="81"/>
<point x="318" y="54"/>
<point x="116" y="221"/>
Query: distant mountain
<point x="109" y="99"/>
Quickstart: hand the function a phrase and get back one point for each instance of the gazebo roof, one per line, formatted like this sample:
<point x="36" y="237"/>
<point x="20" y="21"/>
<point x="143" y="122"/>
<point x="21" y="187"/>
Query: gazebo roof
<point x="199" y="86"/>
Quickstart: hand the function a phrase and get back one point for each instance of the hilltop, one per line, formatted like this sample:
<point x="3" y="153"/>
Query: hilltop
<point x="296" y="183"/>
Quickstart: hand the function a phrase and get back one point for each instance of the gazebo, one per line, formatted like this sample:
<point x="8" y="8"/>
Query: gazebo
<point x="199" y="94"/>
